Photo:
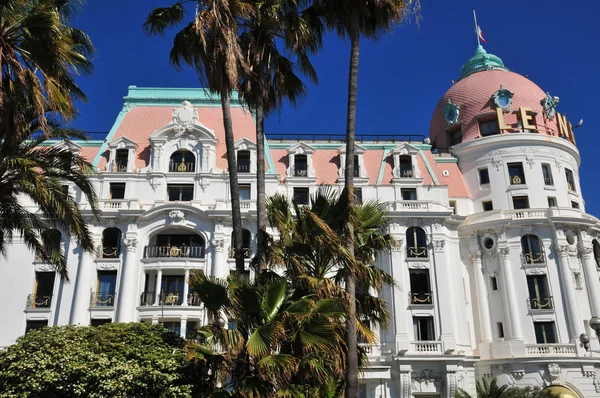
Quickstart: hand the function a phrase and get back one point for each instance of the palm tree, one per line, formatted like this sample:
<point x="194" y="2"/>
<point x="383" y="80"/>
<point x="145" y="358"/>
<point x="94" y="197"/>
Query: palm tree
<point x="276" y="344"/>
<point x="209" y="43"/>
<point x="272" y="76"/>
<point x="40" y="52"/>
<point x="311" y="250"/>
<point x="353" y="19"/>
<point x="31" y="167"/>
<point x="486" y="388"/>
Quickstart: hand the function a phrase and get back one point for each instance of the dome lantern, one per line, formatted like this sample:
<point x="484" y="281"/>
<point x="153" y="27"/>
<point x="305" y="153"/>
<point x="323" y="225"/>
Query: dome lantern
<point x="481" y="61"/>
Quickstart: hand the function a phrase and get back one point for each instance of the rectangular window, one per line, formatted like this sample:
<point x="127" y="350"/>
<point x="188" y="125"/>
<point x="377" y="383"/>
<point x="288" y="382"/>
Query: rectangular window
<point x="423" y="328"/>
<point x="409" y="193"/>
<point x="452" y="205"/>
<point x="43" y="290"/>
<point x="545" y="332"/>
<point x="32" y="325"/>
<point x="547" y="173"/>
<point x="172" y="289"/>
<point x="174" y="327"/>
<point x="420" y="292"/>
<point x="243" y="161"/>
<point x="245" y="191"/>
<point x="570" y="180"/>
<point x="105" y="289"/>
<point x="358" y="198"/>
<point x="516" y="173"/>
<point x="539" y="297"/>
<point x="121" y="160"/>
<point x="117" y="190"/>
<point x="455" y="137"/>
<point x="300" y="166"/>
<point x="494" y="282"/>
<point x="500" y="330"/>
<point x="487" y="205"/>
<point x="552" y="201"/>
<point x="574" y="205"/>
<point x="489" y="127"/>
<point x="356" y="166"/>
<point x="484" y="176"/>
<point x="100" y="322"/>
<point x="520" y="202"/>
<point x="301" y="195"/>
<point x="182" y="193"/>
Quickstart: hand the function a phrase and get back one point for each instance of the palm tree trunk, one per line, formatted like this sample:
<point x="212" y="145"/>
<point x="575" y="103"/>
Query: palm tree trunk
<point x="236" y="214"/>
<point x="352" y="338"/>
<point x="261" y="202"/>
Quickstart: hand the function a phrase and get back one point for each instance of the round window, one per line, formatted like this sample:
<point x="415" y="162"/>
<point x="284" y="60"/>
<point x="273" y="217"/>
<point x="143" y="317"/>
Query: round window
<point x="488" y="242"/>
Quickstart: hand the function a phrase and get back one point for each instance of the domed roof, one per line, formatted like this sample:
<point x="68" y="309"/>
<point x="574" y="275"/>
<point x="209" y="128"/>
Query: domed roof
<point x="473" y="94"/>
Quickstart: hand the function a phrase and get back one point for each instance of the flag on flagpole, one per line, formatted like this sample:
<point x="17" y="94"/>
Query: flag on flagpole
<point x="480" y="34"/>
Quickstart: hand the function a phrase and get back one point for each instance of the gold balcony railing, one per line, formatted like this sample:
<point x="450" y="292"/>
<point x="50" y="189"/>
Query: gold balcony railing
<point x="182" y="167"/>
<point x="34" y="301"/>
<point x="102" y="300"/>
<point x="417" y="251"/>
<point x="533" y="258"/>
<point x="246" y="250"/>
<point x="421" y="298"/>
<point x="174" y="251"/>
<point x="541" y="303"/>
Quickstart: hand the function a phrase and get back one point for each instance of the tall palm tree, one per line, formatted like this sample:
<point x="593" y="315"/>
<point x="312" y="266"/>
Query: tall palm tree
<point x="486" y="388"/>
<point x="38" y="172"/>
<point x="277" y="344"/>
<point x="353" y="19"/>
<point x="209" y="44"/>
<point x="273" y="78"/>
<point x="40" y="52"/>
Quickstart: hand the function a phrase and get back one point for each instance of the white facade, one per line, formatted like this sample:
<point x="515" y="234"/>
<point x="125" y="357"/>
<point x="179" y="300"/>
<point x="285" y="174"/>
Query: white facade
<point x="476" y="290"/>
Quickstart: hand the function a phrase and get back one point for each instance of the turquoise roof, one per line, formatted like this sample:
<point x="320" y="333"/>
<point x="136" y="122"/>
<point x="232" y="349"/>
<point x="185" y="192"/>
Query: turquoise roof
<point x="174" y="96"/>
<point x="481" y="61"/>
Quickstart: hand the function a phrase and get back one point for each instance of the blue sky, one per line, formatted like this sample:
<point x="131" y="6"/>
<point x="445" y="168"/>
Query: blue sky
<point x="402" y="76"/>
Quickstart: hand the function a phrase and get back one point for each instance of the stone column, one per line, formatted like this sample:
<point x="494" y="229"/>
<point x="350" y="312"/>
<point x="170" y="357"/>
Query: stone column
<point x="446" y="310"/>
<point x="220" y="268"/>
<point x="183" y="327"/>
<point x="186" y="288"/>
<point x="158" y="284"/>
<point x="83" y="287"/>
<point x="591" y="277"/>
<point x="573" y="318"/>
<point x="511" y="307"/>
<point x="128" y="283"/>
<point x="400" y="296"/>
<point x="485" y="321"/>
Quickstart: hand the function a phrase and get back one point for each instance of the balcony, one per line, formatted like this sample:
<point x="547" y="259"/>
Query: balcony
<point x="517" y="179"/>
<point x="533" y="258"/>
<point x="536" y="350"/>
<point x="571" y="186"/>
<point x="404" y="172"/>
<point x="417" y="252"/>
<point x="117" y="204"/>
<point x="34" y="301"/>
<point x="102" y="300"/>
<point x="168" y="251"/>
<point x="109" y="252"/>
<point x="371" y="349"/>
<point x="243" y="168"/>
<point x="549" y="181"/>
<point x="299" y="171"/>
<point x="541" y="303"/>
<point x="426" y="347"/>
<point x="421" y="298"/>
<point x="169" y="299"/>
<point x="247" y="252"/>
<point x="182" y="167"/>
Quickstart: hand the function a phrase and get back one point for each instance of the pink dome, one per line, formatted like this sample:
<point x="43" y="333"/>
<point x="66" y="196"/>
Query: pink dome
<point x="473" y="93"/>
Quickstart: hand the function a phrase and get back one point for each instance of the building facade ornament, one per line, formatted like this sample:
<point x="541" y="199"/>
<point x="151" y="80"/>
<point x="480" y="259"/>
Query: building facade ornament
<point x="427" y="381"/>
<point x="504" y="252"/>
<point x="535" y="271"/>
<point x="44" y="267"/>
<point x="585" y="251"/>
<point x="130" y="244"/>
<point x="438" y="245"/>
<point x="597" y="378"/>
<point x="218" y="245"/>
<point x="107" y="266"/>
<point x="554" y="372"/>
<point x="177" y="216"/>
<point x="549" y="105"/>
<point x="184" y="118"/>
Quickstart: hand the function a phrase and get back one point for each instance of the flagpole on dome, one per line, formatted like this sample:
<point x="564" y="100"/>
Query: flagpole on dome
<point x="476" y="28"/>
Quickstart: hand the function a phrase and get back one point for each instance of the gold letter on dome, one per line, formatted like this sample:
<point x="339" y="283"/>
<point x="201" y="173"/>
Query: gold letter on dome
<point x="564" y="127"/>
<point x="525" y="118"/>
<point x="501" y="124"/>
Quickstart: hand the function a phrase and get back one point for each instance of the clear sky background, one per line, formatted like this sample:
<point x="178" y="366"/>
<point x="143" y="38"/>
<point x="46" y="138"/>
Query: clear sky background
<point x="402" y="76"/>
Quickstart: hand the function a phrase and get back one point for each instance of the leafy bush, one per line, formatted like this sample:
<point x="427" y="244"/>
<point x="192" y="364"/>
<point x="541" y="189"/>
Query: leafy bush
<point x="114" y="360"/>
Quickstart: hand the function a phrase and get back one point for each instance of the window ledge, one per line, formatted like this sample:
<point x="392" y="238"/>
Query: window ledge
<point x="513" y="187"/>
<point x="549" y="187"/>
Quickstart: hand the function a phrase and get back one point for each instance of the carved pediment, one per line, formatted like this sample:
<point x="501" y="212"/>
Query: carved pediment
<point x="70" y="145"/>
<point x="185" y="124"/>
<point x="405" y="149"/>
<point x="122" y="142"/>
<point x="244" y="144"/>
<point x="358" y="149"/>
<point x="300" y="147"/>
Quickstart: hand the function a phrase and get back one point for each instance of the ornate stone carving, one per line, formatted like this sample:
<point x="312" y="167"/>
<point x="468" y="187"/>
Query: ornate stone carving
<point x="130" y="244"/>
<point x="497" y="163"/>
<point x="218" y="245"/>
<point x="44" y="267"/>
<point x="184" y="118"/>
<point x="506" y="370"/>
<point x="530" y="161"/>
<point x="107" y="266"/>
<point x="535" y="271"/>
<point x="417" y="265"/>
<point x="597" y="378"/>
<point x="438" y="245"/>
<point x="204" y="183"/>
<point x="452" y="383"/>
<point x="585" y="251"/>
<point x="475" y="255"/>
<point x="562" y="250"/>
<point x="427" y="381"/>
<point x="405" y="381"/>
<point x="176" y="216"/>
<point x="504" y="252"/>
<point x="554" y="372"/>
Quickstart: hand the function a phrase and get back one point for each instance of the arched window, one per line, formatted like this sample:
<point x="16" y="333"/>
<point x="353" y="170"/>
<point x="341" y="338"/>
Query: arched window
<point x="416" y="242"/>
<point x="596" y="247"/>
<point x="246" y="239"/>
<point x="182" y="161"/>
<point x="111" y="243"/>
<point x="532" y="250"/>
<point x="176" y="243"/>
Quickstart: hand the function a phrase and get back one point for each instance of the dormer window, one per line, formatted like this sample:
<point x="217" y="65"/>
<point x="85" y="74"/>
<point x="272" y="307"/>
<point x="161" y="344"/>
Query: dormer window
<point x="405" y="161"/>
<point x="356" y="166"/>
<point x="243" y="161"/>
<point x="359" y="169"/>
<point x="122" y="158"/>
<point x="300" y="158"/>
<point x="182" y="161"/>
<point x="122" y="151"/>
<point x="406" y="167"/>
<point x="300" y="165"/>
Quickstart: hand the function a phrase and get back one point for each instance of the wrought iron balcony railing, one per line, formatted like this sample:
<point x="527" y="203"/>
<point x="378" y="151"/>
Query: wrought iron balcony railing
<point x="533" y="258"/>
<point x="109" y="251"/>
<point x="174" y="251"/>
<point x="417" y="252"/>
<point x="34" y="301"/>
<point x="405" y="173"/>
<point x="548" y="180"/>
<point x="243" y="168"/>
<point x="247" y="252"/>
<point x="571" y="186"/>
<point x="300" y="172"/>
<point x="171" y="298"/>
<point x="182" y="167"/>
<point x="421" y="298"/>
<point x="517" y="179"/>
<point x="541" y="303"/>
<point x="193" y="300"/>
<point x="147" y="299"/>
<point x="102" y="300"/>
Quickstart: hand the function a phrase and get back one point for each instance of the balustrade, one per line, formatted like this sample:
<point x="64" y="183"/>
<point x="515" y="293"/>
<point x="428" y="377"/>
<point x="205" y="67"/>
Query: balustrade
<point x="425" y="347"/>
<point x="551" y="349"/>
<point x="174" y="251"/>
